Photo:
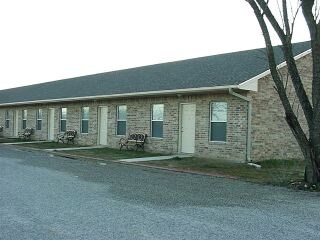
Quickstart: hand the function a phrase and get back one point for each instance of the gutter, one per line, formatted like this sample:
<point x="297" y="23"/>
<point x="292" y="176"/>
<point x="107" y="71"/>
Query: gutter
<point x="249" y="119"/>
<point x="126" y="95"/>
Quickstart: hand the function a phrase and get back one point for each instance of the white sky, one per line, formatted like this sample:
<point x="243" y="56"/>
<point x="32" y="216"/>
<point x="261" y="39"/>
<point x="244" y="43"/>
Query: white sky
<point x="42" y="40"/>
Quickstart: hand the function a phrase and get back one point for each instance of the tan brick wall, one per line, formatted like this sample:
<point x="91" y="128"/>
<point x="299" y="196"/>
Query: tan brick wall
<point x="139" y="120"/>
<point x="271" y="136"/>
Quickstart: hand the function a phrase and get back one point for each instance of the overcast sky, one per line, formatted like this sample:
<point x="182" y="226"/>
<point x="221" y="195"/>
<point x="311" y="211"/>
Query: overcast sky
<point x="44" y="40"/>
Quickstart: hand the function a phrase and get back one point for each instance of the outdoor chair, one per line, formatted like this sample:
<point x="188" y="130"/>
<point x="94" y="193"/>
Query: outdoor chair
<point x="26" y="134"/>
<point x="67" y="137"/>
<point x="134" y="141"/>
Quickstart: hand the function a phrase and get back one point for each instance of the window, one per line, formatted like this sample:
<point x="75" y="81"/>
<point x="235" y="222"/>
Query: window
<point x="84" y="119"/>
<point x="24" y="118"/>
<point x="39" y="119"/>
<point x="219" y="121"/>
<point x="157" y="120"/>
<point x="63" y="119"/>
<point x="121" y="120"/>
<point x="7" y="119"/>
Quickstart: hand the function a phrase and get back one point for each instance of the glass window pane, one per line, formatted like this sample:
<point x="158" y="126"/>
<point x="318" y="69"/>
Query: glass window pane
<point x="157" y="112"/>
<point x="121" y="128"/>
<point x="63" y="113"/>
<point x="219" y="131"/>
<point x="24" y="124"/>
<point x="85" y="113"/>
<point x="157" y="129"/>
<point x="24" y="114"/>
<point x="7" y="114"/>
<point x="63" y="126"/>
<point x="7" y="123"/>
<point x="39" y="123"/>
<point x="85" y="126"/>
<point x="39" y="114"/>
<point x="219" y="112"/>
<point x="122" y="112"/>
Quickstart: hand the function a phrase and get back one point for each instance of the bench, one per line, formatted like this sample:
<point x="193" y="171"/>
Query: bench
<point x="26" y="134"/>
<point x="134" y="141"/>
<point x="67" y="136"/>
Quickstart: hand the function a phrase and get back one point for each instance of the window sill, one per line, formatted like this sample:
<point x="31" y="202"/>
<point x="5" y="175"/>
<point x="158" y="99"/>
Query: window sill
<point x="218" y="142"/>
<point x="157" y="138"/>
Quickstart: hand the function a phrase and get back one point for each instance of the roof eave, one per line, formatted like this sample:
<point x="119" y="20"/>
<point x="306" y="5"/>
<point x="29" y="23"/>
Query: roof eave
<point x="127" y="95"/>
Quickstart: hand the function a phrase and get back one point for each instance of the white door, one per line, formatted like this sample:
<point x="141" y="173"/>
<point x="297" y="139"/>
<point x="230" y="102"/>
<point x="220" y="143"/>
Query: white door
<point x="16" y="123"/>
<point x="51" y="124"/>
<point x="188" y="120"/>
<point x="103" y="126"/>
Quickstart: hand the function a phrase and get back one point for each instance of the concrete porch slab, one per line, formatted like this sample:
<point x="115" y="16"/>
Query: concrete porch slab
<point x="145" y="159"/>
<point x="73" y="148"/>
<point x="17" y="143"/>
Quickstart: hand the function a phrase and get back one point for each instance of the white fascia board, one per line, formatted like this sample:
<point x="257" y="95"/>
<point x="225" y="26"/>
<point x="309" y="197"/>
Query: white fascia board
<point x="123" y="95"/>
<point x="252" y="83"/>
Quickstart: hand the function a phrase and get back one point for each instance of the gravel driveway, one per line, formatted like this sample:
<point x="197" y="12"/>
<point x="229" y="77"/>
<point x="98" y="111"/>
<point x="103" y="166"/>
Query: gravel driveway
<point x="47" y="197"/>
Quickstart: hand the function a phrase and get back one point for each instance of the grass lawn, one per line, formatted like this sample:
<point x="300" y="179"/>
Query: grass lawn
<point x="111" y="154"/>
<point x="275" y="172"/>
<point x="50" y="145"/>
<point x="11" y="140"/>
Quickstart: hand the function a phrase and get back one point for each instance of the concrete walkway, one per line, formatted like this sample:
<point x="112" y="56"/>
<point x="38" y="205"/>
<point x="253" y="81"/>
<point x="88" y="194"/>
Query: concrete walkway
<point x="17" y="143"/>
<point x="144" y="159"/>
<point x="73" y="148"/>
<point x="157" y="158"/>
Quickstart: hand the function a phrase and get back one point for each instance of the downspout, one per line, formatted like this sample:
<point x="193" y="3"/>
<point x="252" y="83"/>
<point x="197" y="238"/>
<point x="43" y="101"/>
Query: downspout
<point x="249" y="118"/>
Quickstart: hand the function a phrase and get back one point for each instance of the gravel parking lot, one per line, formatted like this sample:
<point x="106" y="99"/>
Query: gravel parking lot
<point x="48" y="197"/>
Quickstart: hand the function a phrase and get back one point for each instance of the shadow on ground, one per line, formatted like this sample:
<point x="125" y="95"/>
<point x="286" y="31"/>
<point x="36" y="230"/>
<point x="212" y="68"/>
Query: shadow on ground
<point x="156" y="187"/>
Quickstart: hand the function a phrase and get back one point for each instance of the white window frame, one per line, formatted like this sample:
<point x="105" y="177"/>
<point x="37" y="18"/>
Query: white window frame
<point x="39" y="119"/>
<point x="211" y="121"/>
<point x="84" y="119"/>
<point x="156" y="120"/>
<point x="63" y="119"/>
<point x="121" y="120"/>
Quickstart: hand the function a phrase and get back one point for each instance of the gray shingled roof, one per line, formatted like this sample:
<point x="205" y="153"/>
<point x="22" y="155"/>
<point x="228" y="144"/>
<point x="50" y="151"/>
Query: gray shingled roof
<point x="218" y="70"/>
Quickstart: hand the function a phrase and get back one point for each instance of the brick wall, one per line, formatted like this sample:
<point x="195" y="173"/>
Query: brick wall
<point x="271" y="136"/>
<point x="139" y="120"/>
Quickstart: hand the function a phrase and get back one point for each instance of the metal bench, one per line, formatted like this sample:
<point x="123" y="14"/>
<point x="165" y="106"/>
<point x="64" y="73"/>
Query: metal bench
<point x="68" y="136"/>
<point x="134" y="141"/>
<point x="26" y="134"/>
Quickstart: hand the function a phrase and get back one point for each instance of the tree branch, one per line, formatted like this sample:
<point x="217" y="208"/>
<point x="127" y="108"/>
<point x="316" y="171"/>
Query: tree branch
<point x="288" y="54"/>
<point x="264" y="6"/>
<point x="290" y="115"/>
<point x="286" y="18"/>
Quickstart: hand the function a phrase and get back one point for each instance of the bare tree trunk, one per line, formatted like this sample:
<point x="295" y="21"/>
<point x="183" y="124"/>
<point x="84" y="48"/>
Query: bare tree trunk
<point x="312" y="173"/>
<point x="310" y="147"/>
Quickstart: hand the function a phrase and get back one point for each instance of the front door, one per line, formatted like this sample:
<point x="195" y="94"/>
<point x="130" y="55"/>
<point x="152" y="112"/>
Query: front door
<point x="16" y="123"/>
<point x="188" y="120"/>
<point x="51" y="124"/>
<point x="103" y="126"/>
